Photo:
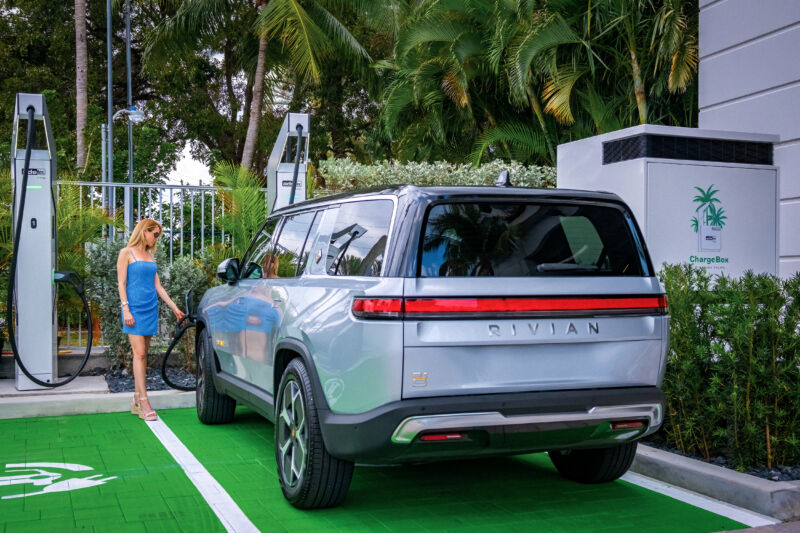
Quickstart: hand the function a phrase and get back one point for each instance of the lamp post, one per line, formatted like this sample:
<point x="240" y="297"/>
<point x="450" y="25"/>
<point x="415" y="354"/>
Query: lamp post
<point x="134" y="116"/>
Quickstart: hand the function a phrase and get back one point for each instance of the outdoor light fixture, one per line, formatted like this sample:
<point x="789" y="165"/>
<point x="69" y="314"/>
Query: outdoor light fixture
<point x="133" y="114"/>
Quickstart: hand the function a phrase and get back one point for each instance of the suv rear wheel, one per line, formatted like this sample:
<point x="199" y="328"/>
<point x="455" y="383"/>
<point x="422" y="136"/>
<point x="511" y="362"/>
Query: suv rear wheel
<point x="594" y="466"/>
<point x="212" y="406"/>
<point x="310" y="477"/>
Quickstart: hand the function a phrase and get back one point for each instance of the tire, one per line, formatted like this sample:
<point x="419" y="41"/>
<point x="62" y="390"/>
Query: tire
<point x="594" y="466"/>
<point x="310" y="477"/>
<point x="212" y="406"/>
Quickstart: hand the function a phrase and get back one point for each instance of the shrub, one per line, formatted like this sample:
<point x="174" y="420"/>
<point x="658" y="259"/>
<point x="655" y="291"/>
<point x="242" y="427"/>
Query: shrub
<point x="343" y="175"/>
<point x="185" y="273"/>
<point x="733" y="373"/>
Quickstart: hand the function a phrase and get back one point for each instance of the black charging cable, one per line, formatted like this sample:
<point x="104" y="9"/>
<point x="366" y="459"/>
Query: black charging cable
<point x="58" y="277"/>
<point x="188" y="321"/>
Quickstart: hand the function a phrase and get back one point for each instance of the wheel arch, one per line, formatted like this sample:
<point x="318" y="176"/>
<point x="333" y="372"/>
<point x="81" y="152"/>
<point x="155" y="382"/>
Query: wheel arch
<point x="289" y="349"/>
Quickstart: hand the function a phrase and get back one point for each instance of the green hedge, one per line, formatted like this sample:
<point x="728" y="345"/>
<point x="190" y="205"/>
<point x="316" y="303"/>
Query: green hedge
<point x="733" y="373"/>
<point x="339" y="175"/>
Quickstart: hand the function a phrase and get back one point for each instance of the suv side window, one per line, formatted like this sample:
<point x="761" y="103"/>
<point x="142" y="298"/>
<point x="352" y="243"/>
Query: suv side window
<point x="289" y="246"/>
<point x="358" y="241"/>
<point x="258" y="250"/>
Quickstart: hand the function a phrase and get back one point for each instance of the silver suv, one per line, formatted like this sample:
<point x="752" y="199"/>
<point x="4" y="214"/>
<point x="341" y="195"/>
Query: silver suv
<point x="414" y="324"/>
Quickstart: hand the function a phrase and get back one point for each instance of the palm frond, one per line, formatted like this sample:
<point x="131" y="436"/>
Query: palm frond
<point x="684" y="65"/>
<point x="524" y="140"/>
<point x="538" y="38"/>
<point x="194" y="20"/>
<point x="342" y="38"/>
<point x="428" y="31"/>
<point x="289" y="22"/>
<point x="557" y="92"/>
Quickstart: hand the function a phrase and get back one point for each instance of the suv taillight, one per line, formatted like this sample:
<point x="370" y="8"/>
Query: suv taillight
<point x="378" y="307"/>
<point x="505" y="307"/>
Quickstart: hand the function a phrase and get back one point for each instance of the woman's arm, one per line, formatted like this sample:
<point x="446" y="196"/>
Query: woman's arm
<point x="122" y="284"/>
<point x="164" y="296"/>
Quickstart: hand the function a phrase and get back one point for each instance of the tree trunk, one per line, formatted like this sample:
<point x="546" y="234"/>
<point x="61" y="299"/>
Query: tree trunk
<point x="258" y="98"/>
<point x="232" y="101"/>
<point x="81" y="67"/>
<point x="638" y="87"/>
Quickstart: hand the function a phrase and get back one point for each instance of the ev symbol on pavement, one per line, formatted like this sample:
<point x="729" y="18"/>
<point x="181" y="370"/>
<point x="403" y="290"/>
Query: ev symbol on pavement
<point x="40" y="475"/>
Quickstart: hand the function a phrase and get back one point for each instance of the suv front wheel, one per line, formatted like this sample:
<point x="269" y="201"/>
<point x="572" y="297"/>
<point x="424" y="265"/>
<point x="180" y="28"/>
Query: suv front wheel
<point x="212" y="407"/>
<point x="594" y="466"/>
<point x="310" y="477"/>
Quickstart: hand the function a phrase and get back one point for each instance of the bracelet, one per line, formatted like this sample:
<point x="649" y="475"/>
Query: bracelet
<point x="123" y="304"/>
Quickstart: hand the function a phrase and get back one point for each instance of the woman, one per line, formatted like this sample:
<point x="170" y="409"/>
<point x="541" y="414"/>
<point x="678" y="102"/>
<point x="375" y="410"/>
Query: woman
<point x="139" y="286"/>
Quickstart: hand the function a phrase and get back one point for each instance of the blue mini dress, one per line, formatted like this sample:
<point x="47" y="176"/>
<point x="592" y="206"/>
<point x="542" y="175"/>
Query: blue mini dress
<point x="142" y="297"/>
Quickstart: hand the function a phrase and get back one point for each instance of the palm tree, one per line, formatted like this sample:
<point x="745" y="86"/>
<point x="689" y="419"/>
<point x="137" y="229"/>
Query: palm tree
<point x="258" y="96"/>
<point x="245" y="208"/>
<point x="306" y="30"/>
<point x="81" y="67"/>
<point x="444" y="93"/>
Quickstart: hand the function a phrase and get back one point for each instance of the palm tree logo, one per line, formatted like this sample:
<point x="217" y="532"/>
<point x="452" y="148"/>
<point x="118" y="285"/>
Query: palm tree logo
<point x="709" y="218"/>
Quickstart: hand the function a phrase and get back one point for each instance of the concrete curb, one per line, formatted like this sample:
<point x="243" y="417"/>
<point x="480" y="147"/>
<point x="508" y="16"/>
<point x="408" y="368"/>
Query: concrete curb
<point x="87" y="403"/>
<point x="778" y="499"/>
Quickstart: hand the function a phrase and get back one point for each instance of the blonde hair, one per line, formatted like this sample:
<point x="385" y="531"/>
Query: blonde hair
<point x="137" y="237"/>
<point x="270" y="266"/>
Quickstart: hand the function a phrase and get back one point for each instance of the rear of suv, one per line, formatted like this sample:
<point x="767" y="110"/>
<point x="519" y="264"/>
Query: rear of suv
<point x="415" y="324"/>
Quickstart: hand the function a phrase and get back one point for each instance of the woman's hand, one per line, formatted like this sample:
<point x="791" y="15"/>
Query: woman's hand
<point x="178" y="313"/>
<point x="127" y="317"/>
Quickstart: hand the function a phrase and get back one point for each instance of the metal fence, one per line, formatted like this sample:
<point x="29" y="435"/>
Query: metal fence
<point x="189" y="216"/>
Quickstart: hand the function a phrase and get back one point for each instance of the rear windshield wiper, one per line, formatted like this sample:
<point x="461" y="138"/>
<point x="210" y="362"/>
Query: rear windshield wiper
<point x="566" y="267"/>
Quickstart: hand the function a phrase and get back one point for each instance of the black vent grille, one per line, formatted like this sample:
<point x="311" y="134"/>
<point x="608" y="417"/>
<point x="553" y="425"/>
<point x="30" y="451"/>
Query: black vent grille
<point x="689" y="148"/>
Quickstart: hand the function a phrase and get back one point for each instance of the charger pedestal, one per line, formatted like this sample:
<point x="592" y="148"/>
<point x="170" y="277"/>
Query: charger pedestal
<point x="36" y="323"/>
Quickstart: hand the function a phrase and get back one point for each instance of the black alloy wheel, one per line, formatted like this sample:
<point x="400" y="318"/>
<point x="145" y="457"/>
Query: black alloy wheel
<point x="310" y="477"/>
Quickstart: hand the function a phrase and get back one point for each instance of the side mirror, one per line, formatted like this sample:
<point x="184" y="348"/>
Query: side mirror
<point x="228" y="270"/>
<point x="253" y="271"/>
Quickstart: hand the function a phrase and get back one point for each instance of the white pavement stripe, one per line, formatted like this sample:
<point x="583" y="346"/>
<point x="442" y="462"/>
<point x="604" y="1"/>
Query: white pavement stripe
<point x="223" y="505"/>
<point x="748" y="518"/>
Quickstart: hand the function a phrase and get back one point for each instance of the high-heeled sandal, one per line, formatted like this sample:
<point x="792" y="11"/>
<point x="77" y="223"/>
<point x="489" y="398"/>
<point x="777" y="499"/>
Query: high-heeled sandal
<point x="135" y="409"/>
<point x="147" y="415"/>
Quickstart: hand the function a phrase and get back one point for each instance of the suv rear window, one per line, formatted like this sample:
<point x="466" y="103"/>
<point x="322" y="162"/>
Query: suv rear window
<point x="529" y="239"/>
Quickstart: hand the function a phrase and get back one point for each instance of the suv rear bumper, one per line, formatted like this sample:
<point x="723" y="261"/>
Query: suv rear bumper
<point x="492" y="424"/>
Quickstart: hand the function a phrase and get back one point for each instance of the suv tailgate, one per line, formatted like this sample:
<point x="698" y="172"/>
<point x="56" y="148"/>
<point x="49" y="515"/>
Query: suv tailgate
<point x="530" y="295"/>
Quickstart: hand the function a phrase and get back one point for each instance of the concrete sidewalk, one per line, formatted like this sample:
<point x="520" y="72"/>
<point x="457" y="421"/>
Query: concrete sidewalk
<point x="84" y="395"/>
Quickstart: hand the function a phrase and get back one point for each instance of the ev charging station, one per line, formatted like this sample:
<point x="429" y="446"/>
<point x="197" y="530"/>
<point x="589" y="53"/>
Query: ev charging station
<point x="32" y="290"/>
<point x="703" y="197"/>
<point x="35" y="287"/>
<point x="286" y="168"/>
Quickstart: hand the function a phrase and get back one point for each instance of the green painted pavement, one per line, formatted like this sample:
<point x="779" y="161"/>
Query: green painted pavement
<point x="151" y="492"/>
<point x="522" y="493"/>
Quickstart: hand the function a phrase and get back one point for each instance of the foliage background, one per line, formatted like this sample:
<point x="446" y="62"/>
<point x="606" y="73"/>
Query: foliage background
<point x="337" y="175"/>
<point x="733" y="373"/>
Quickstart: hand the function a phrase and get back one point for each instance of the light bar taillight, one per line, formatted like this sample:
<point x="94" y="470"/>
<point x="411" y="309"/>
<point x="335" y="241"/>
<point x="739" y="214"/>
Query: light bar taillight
<point x="511" y="307"/>
<point x="378" y="307"/>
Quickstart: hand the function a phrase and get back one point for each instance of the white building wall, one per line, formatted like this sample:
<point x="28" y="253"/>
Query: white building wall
<point x="749" y="78"/>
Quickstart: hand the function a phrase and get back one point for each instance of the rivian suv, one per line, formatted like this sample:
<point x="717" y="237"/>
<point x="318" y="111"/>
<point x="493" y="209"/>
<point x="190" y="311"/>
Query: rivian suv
<point x="412" y="324"/>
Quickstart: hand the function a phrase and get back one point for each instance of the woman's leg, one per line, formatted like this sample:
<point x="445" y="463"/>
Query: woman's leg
<point x="139" y="345"/>
<point x="147" y="410"/>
